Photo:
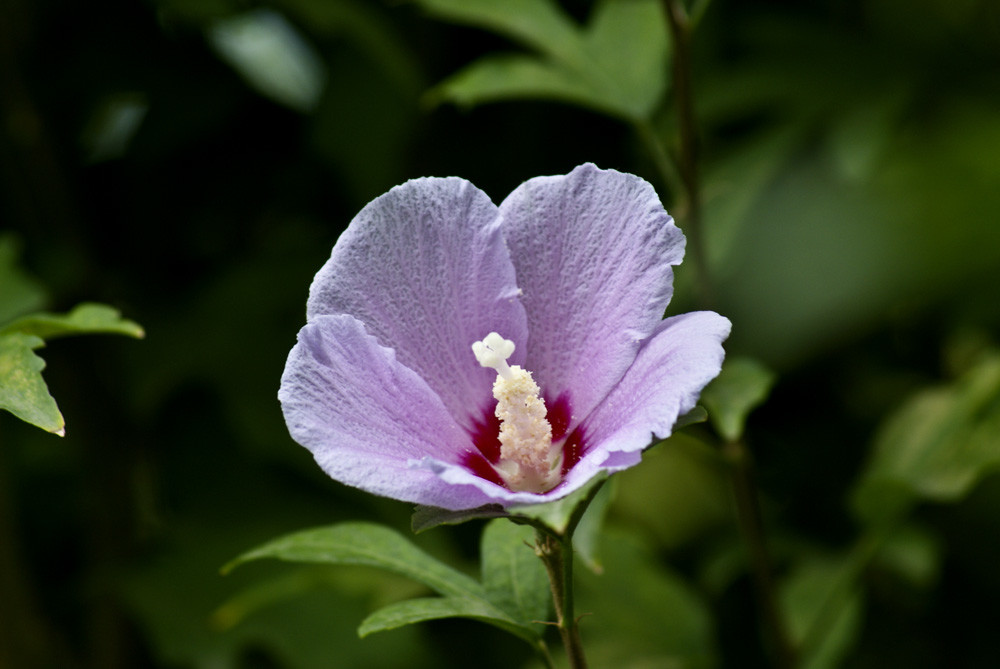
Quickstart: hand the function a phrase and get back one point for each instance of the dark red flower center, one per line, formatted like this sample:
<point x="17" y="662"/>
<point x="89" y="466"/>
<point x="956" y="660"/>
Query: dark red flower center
<point x="485" y="437"/>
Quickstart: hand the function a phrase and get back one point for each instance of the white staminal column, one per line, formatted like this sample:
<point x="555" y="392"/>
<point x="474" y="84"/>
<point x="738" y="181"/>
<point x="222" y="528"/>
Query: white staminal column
<point x="529" y="462"/>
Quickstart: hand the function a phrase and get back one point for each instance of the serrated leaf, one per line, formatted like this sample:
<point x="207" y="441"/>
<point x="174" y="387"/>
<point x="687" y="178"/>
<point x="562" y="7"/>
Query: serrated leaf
<point x="743" y="384"/>
<point x="22" y="389"/>
<point x="368" y="544"/>
<point x="514" y="577"/>
<point x="434" y="608"/>
<point x="935" y="447"/>
<point x="86" y="318"/>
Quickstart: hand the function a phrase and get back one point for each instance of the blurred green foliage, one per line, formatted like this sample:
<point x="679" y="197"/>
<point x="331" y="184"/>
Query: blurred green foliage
<point x="192" y="162"/>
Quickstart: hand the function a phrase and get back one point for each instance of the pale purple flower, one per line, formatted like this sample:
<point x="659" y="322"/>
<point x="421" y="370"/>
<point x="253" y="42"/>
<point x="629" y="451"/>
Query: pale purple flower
<point x="384" y="388"/>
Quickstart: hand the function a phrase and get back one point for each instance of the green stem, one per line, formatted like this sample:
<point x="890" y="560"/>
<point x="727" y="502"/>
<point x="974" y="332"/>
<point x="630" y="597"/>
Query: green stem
<point x="554" y="545"/>
<point x="752" y="528"/>
<point x="556" y="553"/>
<point x="658" y="152"/>
<point x="681" y="30"/>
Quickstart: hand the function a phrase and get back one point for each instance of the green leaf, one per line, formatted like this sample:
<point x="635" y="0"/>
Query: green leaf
<point x="373" y="545"/>
<point x="822" y="611"/>
<point x="696" y="415"/>
<point x="428" y="517"/>
<point x="539" y="24"/>
<point x="272" y="56"/>
<point x="514" y="76"/>
<point x="434" y="608"/>
<point x="86" y="318"/>
<point x="617" y="66"/>
<point x="743" y="384"/>
<point x="935" y="447"/>
<point x="366" y="544"/>
<point x="513" y="575"/>
<point x="22" y="389"/>
<point x="629" y="46"/>
<point x="913" y="554"/>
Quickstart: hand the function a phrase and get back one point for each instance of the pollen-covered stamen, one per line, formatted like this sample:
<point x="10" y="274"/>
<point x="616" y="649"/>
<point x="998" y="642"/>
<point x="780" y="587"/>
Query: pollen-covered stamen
<point x="529" y="461"/>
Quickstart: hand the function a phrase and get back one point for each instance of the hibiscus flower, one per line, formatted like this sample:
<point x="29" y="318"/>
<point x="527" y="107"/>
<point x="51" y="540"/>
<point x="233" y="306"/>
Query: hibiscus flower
<point x="458" y="354"/>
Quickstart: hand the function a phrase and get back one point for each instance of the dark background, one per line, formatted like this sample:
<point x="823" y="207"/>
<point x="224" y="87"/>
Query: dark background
<point x="852" y="184"/>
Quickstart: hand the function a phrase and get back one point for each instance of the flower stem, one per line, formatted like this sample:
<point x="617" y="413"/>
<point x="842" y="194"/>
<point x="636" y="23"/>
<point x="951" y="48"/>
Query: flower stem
<point x="556" y="553"/>
<point x="752" y="527"/>
<point x="681" y="30"/>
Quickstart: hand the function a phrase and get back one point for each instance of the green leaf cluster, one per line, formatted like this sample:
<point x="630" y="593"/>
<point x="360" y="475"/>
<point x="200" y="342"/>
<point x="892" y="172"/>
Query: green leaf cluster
<point x="511" y="595"/>
<point x="935" y="447"/>
<point x="23" y="391"/>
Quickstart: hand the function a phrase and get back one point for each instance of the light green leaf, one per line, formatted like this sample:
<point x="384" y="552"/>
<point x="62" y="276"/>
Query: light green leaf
<point x="373" y="545"/>
<point x="366" y="544"/>
<point x="86" y="318"/>
<point x="617" y="65"/>
<point x="629" y="46"/>
<point x="935" y="447"/>
<point x="513" y="575"/>
<point x="22" y="389"/>
<point x="434" y="608"/>
<point x="272" y="56"/>
<point x="515" y="76"/>
<point x="696" y="415"/>
<point x="743" y="384"/>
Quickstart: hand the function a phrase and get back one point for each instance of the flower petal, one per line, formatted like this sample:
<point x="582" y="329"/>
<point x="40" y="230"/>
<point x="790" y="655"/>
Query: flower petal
<point x="367" y="418"/>
<point x="593" y="252"/>
<point x="672" y="367"/>
<point x="426" y="269"/>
